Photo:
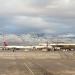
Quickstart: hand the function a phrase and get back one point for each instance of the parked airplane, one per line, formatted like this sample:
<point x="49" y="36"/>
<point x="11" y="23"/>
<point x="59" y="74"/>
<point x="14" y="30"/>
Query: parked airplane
<point x="47" y="46"/>
<point x="38" y="47"/>
<point x="63" y="46"/>
<point x="59" y="46"/>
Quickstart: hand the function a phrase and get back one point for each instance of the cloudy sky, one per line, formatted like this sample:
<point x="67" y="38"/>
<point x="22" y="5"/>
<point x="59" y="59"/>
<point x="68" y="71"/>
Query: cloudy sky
<point x="45" y="16"/>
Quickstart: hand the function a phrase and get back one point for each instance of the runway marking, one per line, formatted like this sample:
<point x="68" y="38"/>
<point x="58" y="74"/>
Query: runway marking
<point x="38" y="69"/>
<point x="29" y="68"/>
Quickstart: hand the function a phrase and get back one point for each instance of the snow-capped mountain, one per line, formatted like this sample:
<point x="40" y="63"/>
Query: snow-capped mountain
<point x="35" y="38"/>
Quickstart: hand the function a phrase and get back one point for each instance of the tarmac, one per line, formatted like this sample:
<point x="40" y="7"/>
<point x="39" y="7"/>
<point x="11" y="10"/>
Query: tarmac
<point x="37" y="63"/>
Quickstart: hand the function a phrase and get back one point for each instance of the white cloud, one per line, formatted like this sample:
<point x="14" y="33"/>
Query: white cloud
<point x="57" y="4"/>
<point x="67" y="35"/>
<point x="36" y="22"/>
<point x="38" y="7"/>
<point x="48" y="31"/>
<point x="31" y="14"/>
<point x="39" y="23"/>
<point x="12" y="38"/>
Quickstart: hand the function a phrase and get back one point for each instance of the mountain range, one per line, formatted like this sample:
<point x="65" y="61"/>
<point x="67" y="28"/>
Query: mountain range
<point x="35" y="38"/>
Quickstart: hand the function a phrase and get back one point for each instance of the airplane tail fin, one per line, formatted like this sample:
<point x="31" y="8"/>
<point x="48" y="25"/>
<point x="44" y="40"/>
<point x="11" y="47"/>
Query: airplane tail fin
<point x="5" y="44"/>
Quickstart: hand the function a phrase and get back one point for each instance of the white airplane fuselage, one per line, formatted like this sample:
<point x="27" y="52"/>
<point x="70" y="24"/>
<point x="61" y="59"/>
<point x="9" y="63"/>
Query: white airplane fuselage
<point x="50" y="46"/>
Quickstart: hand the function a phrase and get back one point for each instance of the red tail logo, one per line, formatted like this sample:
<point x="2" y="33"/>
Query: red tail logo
<point x="5" y="44"/>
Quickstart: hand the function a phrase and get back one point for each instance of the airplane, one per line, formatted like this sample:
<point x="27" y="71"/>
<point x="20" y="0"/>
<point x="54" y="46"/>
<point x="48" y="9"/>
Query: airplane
<point x="46" y="46"/>
<point x="13" y="47"/>
<point x="60" y="46"/>
<point x="36" y="47"/>
<point x="63" y="46"/>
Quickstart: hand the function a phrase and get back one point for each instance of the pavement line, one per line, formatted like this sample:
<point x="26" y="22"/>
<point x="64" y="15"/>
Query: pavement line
<point x="29" y="68"/>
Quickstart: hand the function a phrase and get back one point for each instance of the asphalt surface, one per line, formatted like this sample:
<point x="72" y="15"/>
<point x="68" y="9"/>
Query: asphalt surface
<point x="21" y="67"/>
<point x="38" y="65"/>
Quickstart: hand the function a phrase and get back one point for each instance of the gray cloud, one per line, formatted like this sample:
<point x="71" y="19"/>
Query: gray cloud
<point x="45" y="16"/>
<point x="64" y="8"/>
